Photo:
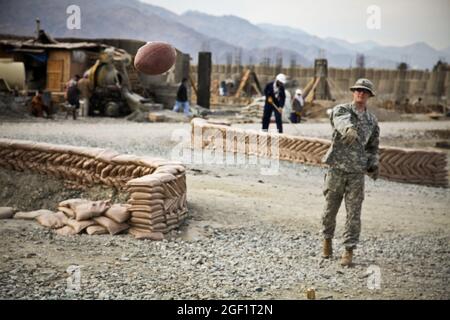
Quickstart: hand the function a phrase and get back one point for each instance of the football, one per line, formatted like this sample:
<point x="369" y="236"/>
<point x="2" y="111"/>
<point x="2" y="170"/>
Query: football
<point x="155" y="58"/>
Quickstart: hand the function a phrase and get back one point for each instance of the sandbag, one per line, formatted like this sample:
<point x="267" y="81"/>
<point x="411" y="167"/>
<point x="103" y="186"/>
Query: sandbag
<point x="96" y="230"/>
<point x="31" y="215"/>
<point x="65" y="231"/>
<point x="141" y="235"/>
<point x="147" y="215"/>
<point x="141" y="227"/>
<point x="145" y="189"/>
<point x="6" y="212"/>
<point x="159" y="227"/>
<point x="112" y="226"/>
<point x="145" y="181"/>
<point x="72" y="203"/>
<point x="145" y="202"/>
<point x="118" y="212"/>
<point x="172" y="221"/>
<point x="145" y="208"/>
<point x="67" y="211"/>
<point x="147" y="196"/>
<point x="79" y="226"/>
<point x="151" y="222"/>
<point x="52" y="220"/>
<point x="91" y="209"/>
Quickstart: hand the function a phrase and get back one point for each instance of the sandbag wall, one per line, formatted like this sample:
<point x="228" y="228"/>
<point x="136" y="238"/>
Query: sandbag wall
<point x="396" y="164"/>
<point x="157" y="187"/>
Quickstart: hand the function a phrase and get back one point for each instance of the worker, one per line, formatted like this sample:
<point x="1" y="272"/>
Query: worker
<point x="353" y="153"/>
<point x="297" y="107"/>
<point x="418" y="106"/>
<point x="38" y="106"/>
<point x="275" y="99"/>
<point x="73" y="97"/>
<point x="182" y="98"/>
<point x="85" y="94"/>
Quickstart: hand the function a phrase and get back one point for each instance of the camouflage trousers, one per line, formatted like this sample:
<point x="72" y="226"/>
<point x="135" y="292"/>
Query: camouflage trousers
<point x="340" y="184"/>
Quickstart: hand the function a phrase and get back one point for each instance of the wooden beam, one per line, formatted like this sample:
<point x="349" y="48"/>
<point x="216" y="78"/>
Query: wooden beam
<point x="243" y="82"/>
<point x="204" y="79"/>
<point x="310" y="96"/>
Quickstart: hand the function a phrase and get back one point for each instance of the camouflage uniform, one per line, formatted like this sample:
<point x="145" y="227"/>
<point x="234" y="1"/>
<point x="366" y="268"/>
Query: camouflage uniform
<point x="348" y="165"/>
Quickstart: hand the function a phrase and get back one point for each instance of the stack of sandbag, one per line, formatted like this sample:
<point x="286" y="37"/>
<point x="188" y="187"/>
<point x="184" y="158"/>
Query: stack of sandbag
<point x="255" y="109"/>
<point x="157" y="204"/>
<point x="96" y="217"/>
<point x="76" y="216"/>
<point x="147" y="209"/>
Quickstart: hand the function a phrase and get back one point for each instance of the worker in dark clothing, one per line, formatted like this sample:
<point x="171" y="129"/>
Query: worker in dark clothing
<point x="73" y="97"/>
<point x="182" y="98"/>
<point x="275" y="99"/>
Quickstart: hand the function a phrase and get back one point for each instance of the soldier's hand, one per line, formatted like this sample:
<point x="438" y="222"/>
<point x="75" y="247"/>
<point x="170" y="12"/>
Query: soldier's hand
<point x="350" y="136"/>
<point x="373" y="172"/>
<point x="270" y="100"/>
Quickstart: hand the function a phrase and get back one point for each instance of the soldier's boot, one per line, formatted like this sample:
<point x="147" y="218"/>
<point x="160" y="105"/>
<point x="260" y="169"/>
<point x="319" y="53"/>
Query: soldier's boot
<point x="327" y="248"/>
<point x="347" y="258"/>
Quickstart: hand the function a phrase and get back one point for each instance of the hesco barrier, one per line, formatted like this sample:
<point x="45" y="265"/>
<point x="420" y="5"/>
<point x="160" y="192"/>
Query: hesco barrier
<point x="157" y="187"/>
<point x="396" y="164"/>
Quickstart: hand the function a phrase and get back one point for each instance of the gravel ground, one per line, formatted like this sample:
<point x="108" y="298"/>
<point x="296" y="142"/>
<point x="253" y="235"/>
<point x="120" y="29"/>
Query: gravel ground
<point x="240" y="263"/>
<point x="249" y="236"/>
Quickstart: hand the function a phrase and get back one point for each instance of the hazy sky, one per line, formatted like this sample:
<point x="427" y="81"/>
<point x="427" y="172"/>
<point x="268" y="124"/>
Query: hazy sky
<point x="402" y="21"/>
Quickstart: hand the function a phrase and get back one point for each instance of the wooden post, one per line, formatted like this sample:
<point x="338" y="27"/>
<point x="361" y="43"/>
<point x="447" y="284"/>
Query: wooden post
<point x="321" y="88"/>
<point x="204" y="79"/>
<point x="182" y="67"/>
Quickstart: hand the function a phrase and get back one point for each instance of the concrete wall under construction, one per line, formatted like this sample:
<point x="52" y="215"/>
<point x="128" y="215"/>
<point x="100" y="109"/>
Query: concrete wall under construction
<point x="432" y="86"/>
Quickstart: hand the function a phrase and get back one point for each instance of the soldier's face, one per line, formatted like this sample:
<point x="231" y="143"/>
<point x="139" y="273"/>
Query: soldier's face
<point x="361" y="96"/>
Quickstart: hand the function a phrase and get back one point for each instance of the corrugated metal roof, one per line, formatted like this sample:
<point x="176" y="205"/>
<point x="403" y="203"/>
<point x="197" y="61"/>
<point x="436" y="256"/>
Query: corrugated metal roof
<point x="60" y="45"/>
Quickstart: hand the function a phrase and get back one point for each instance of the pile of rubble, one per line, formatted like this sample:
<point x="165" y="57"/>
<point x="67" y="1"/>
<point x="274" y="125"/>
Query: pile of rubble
<point x="14" y="106"/>
<point x="255" y="109"/>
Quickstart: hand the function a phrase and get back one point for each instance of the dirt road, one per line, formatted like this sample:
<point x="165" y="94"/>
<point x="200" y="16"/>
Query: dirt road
<point x="249" y="236"/>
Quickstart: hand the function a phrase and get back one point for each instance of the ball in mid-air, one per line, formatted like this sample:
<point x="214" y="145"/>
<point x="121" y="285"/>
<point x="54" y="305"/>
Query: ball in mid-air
<point x="155" y="58"/>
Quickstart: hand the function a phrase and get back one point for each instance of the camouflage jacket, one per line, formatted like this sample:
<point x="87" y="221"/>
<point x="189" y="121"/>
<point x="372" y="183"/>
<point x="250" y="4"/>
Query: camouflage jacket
<point x="363" y="153"/>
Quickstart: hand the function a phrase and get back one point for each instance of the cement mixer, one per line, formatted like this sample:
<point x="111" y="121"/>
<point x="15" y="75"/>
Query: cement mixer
<point x="101" y="88"/>
<point x="106" y="86"/>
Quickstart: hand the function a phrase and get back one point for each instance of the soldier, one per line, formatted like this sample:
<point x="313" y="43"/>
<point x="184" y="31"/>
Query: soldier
<point x="353" y="153"/>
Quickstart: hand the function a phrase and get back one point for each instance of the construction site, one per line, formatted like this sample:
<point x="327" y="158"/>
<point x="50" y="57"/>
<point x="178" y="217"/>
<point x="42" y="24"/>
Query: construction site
<point x="141" y="202"/>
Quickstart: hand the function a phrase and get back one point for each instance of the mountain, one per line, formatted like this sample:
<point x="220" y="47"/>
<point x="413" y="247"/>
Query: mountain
<point x="354" y="47"/>
<point x="230" y="29"/>
<point x="299" y="36"/>
<point x="340" y="53"/>
<point x="417" y="55"/>
<point x="193" y="31"/>
<point x="446" y="51"/>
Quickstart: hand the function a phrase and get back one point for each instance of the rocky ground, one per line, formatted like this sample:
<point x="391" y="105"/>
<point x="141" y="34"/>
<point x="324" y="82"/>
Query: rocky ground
<point x="248" y="236"/>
